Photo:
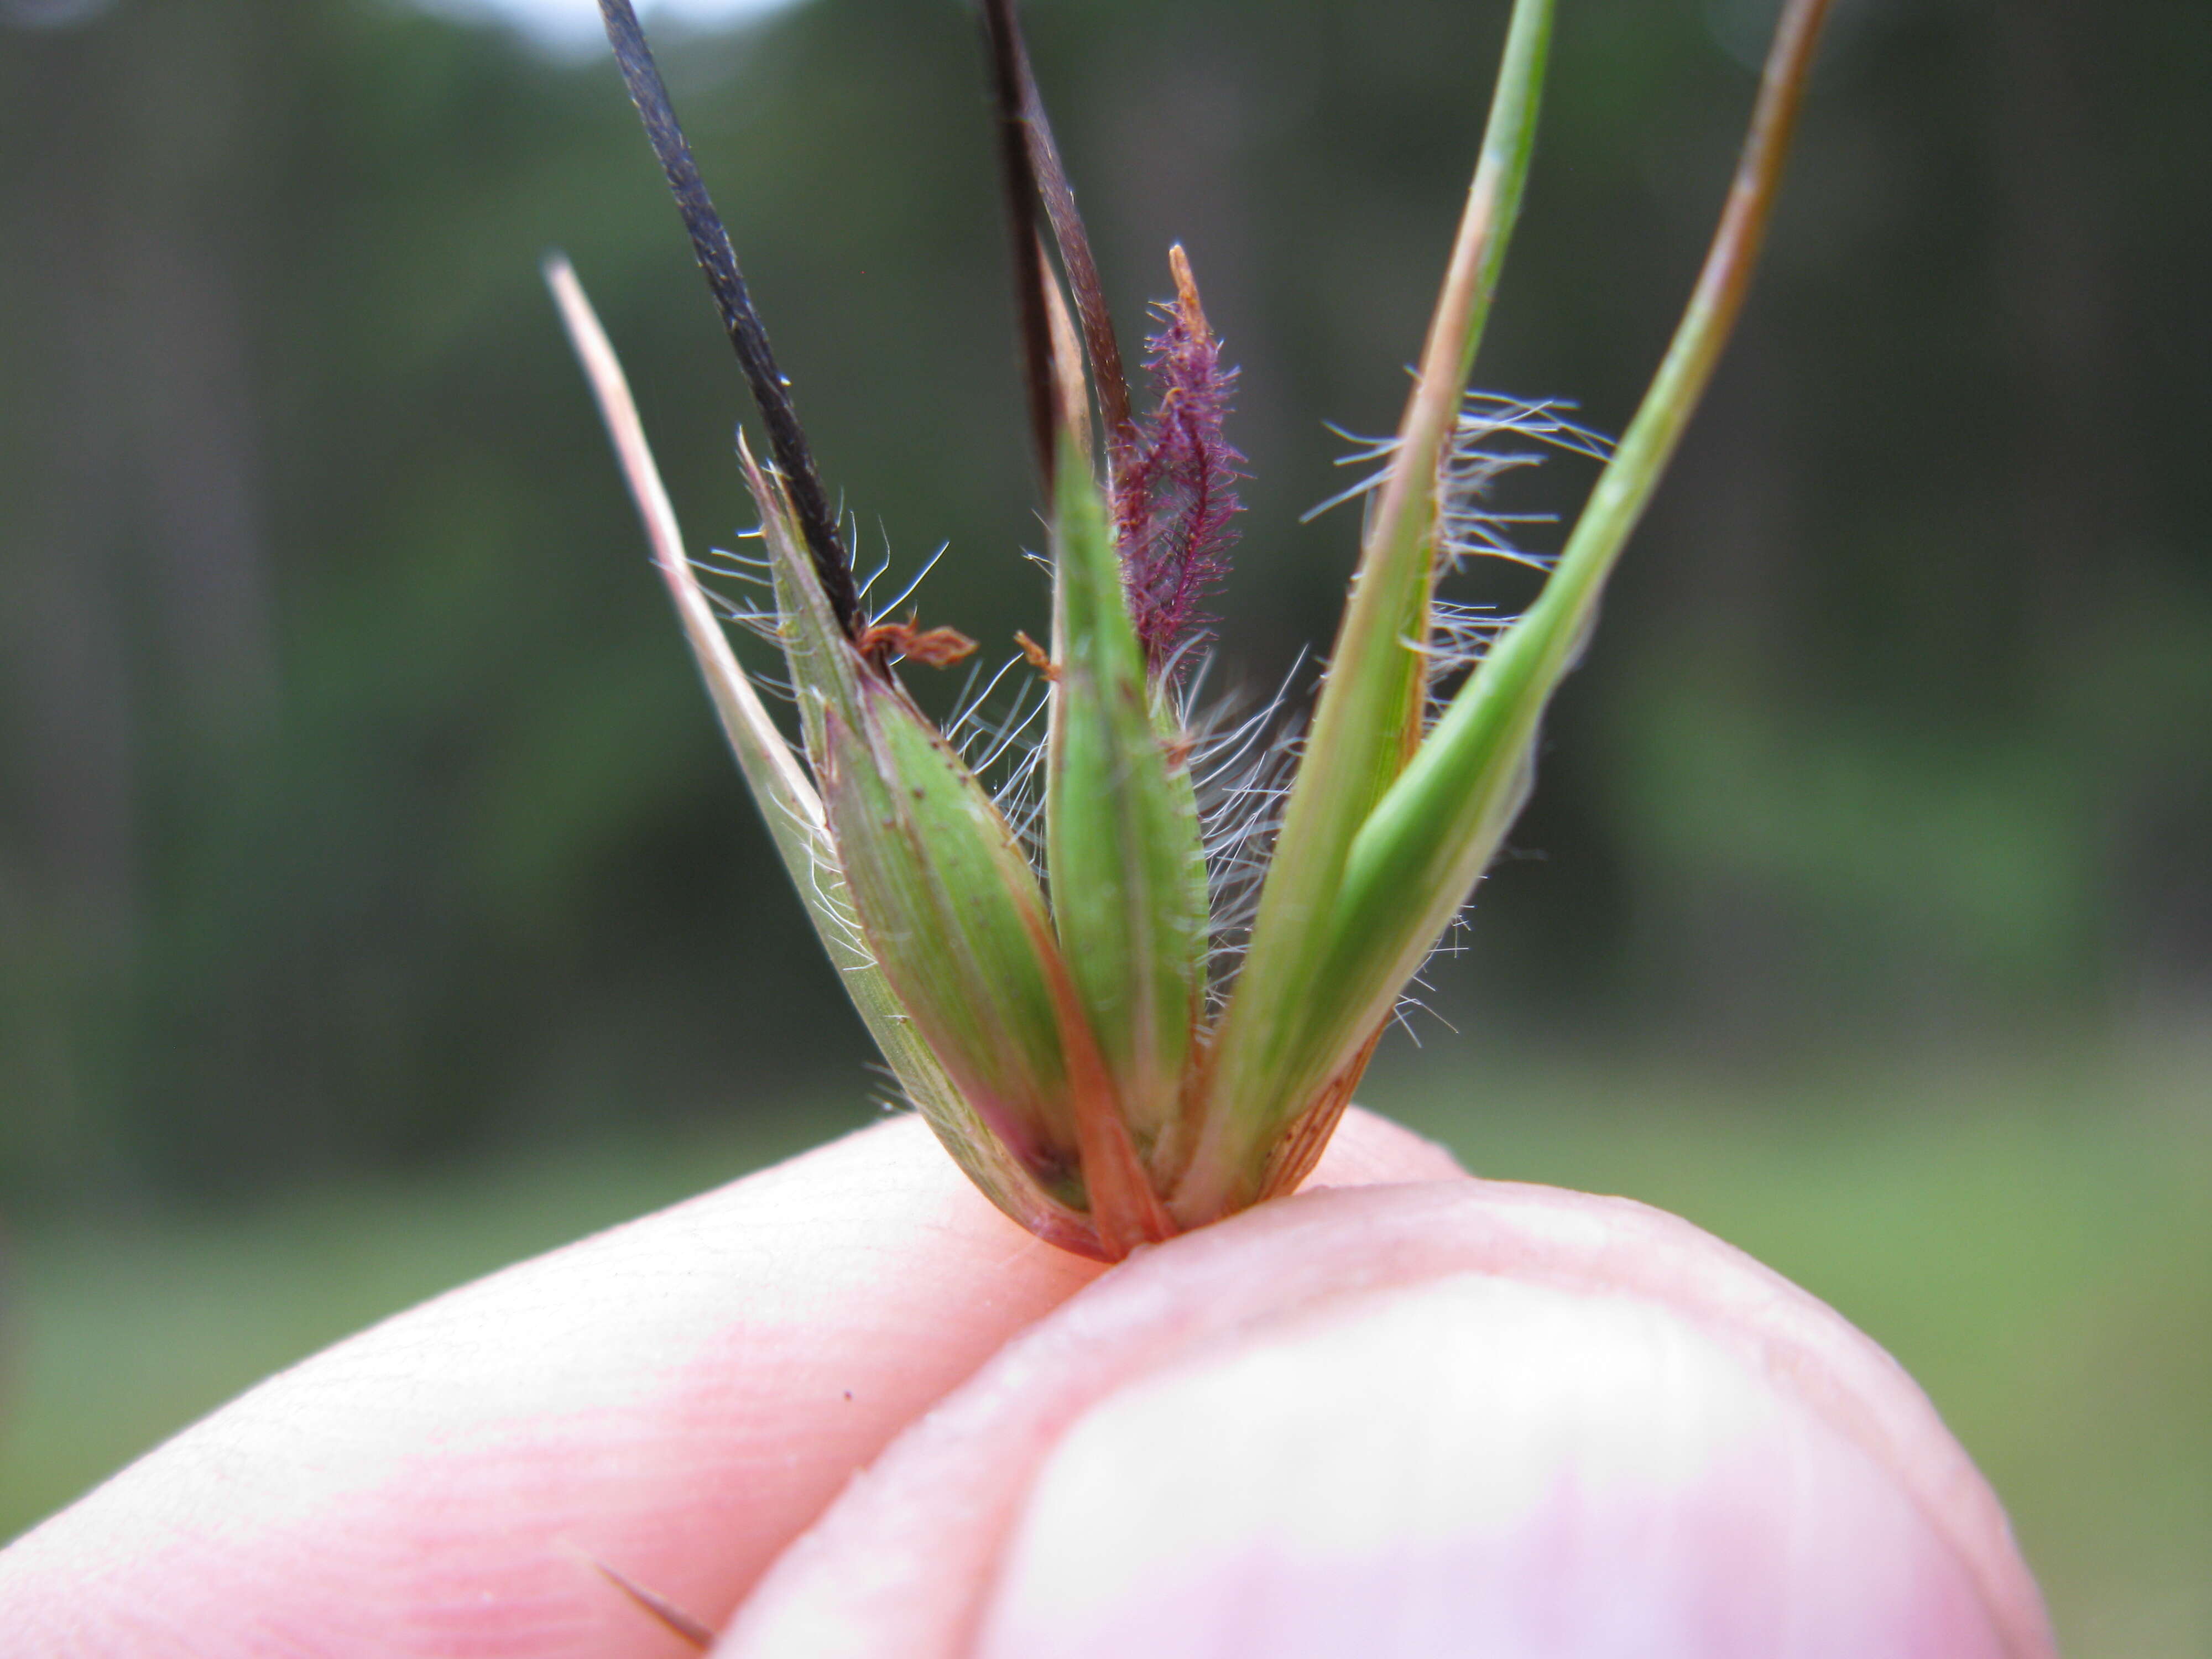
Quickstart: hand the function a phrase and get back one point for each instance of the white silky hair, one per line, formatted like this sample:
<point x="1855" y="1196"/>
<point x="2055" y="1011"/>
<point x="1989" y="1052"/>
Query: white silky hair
<point x="1242" y="751"/>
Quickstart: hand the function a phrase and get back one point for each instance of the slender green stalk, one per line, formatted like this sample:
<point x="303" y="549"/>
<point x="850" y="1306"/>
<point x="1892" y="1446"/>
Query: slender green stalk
<point x="1369" y="717"/>
<point x="1429" y="840"/>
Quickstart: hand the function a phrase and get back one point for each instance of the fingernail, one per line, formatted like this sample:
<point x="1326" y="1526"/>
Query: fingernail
<point x="1472" y="1466"/>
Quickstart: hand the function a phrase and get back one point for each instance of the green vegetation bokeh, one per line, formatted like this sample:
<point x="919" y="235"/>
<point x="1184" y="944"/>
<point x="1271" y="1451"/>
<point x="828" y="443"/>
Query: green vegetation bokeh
<point x="377" y="903"/>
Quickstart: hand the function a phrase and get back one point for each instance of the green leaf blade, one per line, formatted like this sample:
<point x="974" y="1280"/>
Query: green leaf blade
<point x="1372" y="700"/>
<point x="785" y="797"/>
<point x="955" y="919"/>
<point x="1426" y="843"/>
<point x="1123" y="851"/>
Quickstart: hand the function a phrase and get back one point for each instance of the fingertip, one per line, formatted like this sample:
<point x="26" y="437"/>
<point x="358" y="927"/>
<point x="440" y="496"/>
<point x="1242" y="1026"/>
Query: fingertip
<point x="671" y="1400"/>
<point x="1357" y="1397"/>
<point x="1471" y="1465"/>
<point x="1368" y="1151"/>
<point x="674" y="1398"/>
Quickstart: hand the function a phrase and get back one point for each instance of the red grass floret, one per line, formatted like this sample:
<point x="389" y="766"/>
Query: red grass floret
<point x="1175" y="497"/>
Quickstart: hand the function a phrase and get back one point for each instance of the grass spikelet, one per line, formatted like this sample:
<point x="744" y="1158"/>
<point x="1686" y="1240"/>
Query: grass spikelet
<point x="1129" y="956"/>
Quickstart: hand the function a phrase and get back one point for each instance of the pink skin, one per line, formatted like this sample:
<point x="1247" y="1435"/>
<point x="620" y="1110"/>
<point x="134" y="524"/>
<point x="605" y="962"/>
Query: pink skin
<point x="1389" y="1417"/>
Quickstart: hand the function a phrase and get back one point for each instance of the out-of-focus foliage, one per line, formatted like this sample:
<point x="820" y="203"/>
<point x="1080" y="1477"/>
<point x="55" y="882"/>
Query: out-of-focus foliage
<point x="357" y="805"/>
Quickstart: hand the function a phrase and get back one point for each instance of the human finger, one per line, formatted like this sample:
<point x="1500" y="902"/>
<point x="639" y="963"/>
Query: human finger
<point x="1473" y="1418"/>
<point x="671" y="1400"/>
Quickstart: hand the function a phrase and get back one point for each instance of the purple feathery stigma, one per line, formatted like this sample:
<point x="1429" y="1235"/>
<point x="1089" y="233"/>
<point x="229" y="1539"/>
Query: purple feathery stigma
<point x="1176" y="494"/>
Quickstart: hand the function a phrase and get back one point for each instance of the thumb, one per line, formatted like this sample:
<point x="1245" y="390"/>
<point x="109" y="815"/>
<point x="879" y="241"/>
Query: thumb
<point x="1445" y="1419"/>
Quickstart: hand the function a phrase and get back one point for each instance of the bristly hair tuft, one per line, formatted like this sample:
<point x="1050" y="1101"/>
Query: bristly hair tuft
<point x="1175" y="500"/>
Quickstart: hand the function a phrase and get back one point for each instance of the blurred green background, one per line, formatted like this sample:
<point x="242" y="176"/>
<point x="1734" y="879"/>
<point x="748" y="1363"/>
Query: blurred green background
<point x="377" y="904"/>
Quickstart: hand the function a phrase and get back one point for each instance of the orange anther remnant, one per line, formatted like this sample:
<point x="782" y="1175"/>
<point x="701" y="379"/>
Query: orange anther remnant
<point x="935" y="647"/>
<point x="1043" y="663"/>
